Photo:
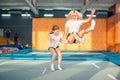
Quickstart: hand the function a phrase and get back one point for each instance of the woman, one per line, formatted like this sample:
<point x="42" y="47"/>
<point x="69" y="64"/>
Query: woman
<point x="72" y="26"/>
<point x="55" y="38"/>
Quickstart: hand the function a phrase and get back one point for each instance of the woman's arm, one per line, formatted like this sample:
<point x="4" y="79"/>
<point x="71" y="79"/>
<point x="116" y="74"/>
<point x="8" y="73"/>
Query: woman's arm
<point x="87" y="20"/>
<point x="65" y="32"/>
<point x="65" y="35"/>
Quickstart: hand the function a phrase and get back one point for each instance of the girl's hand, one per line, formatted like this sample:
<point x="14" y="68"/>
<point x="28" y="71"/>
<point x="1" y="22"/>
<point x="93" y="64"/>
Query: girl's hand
<point x="51" y="45"/>
<point x="65" y="41"/>
<point x="93" y="11"/>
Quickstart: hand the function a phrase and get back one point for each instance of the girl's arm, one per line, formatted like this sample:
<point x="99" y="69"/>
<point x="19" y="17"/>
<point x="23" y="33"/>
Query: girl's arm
<point x="61" y="40"/>
<point x="51" y="42"/>
<point x="87" y="20"/>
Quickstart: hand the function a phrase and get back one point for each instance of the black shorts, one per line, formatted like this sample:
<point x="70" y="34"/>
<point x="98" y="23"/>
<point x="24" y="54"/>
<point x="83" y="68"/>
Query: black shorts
<point x="69" y="35"/>
<point x="53" y="47"/>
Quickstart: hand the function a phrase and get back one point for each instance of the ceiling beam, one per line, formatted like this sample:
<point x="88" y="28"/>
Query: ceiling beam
<point x="85" y="6"/>
<point x="32" y="7"/>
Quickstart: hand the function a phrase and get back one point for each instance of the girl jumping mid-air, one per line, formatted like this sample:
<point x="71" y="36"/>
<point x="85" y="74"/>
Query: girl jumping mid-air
<point x="54" y="39"/>
<point x="72" y="33"/>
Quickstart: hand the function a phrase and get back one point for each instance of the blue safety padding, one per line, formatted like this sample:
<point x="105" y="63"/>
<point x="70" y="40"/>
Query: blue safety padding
<point x="70" y="56"/>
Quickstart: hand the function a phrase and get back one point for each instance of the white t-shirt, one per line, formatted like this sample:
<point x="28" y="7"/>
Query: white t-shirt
<point x="73" y="26"/>
<point x="56" y="40"/>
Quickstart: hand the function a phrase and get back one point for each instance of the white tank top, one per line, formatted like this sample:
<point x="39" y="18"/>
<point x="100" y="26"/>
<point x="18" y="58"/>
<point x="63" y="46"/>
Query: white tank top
<point x="73" y="26"/>
<point x="56" y="40"/>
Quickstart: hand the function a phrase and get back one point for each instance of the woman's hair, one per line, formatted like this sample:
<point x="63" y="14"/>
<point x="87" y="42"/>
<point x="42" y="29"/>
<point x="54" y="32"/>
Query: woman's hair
<point x="79" y="15"/>
<point x="55" y="27"/>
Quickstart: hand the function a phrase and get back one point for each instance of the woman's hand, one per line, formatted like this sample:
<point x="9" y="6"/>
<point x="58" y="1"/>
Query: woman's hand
<point x="89" y="18"/>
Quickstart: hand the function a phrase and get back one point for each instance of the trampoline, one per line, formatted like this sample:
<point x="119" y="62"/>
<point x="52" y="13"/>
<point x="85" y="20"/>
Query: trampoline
<point x="28" y="64"/>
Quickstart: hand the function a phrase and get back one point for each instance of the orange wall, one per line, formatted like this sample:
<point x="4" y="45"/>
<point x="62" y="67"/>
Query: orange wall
<point x="110" y="33"/>
<point x="113" y="33"/>
<point x="96" y="40"/>
<point x="117" y="33"/>
<point x="41" y="27"/>
<point x="113" y="29"/>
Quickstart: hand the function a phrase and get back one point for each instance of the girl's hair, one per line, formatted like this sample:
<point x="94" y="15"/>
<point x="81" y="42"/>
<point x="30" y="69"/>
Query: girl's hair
<point x="55" y="27"/>
<point x="79" y="15"/>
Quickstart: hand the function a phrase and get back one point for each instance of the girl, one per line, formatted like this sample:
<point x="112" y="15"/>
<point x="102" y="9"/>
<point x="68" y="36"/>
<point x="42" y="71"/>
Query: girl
<point x="55" y="38"/>
<point x="72" y="26"/>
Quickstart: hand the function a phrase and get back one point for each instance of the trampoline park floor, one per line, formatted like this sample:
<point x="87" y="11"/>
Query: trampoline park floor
<point x="77" y="65"/>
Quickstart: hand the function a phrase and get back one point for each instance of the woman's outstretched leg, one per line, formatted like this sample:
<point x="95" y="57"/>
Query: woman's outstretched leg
<point x="83" y="32"/>
<point x="92" y="26"/>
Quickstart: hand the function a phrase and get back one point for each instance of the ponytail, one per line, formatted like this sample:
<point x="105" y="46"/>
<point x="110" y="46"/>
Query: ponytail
<point x="51" y="32"/>
<point x="55" y="27"/>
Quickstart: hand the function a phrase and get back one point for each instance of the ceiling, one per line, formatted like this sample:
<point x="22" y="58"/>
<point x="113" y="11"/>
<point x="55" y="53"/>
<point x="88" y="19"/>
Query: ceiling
<point x="57" y="4"/>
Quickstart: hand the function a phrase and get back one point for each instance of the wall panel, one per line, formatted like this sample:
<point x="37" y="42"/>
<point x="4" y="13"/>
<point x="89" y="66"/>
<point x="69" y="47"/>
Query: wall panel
<point x="96" y="39"/>
<point x="117" y="33"/>
<point x="111" y="33"/>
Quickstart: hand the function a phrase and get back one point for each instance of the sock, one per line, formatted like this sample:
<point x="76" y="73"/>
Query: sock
<point x="79" y="39"/>
<point x="52" y="67"/>
<point x="82" y="40"/>
<point x="92" y="26"/>
<point x="59" y="67"/>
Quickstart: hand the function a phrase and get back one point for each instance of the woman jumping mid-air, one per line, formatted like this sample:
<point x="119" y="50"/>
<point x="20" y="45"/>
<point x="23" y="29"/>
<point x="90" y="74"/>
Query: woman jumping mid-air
<point x="72" y="33"/>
